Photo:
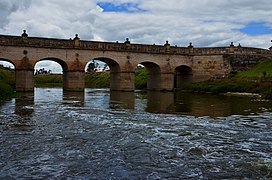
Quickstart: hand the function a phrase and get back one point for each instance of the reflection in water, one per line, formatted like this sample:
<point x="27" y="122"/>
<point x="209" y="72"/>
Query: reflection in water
<point x="61" y="135"/>
<point x="75" y="99"/>
<point x="202" y="104"/>
<point x="156" y="102"/>
<point x="217" y="106"/>
<point x="122" y="100"/>
<point x="24" y="104"/>
<point x="24" y="109"/>
<point x="160" y="102"/>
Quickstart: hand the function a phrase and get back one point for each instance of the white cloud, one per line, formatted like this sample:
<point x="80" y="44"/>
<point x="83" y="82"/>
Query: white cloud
<point x="203" y="22"/>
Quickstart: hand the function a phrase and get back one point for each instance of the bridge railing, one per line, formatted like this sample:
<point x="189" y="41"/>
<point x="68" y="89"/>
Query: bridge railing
<point x="116" y="46"/>
<point x="35" y="42"/>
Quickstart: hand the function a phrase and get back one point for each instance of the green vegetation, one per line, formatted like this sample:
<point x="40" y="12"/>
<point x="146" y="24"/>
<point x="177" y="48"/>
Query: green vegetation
<point x="255" y="80"/>
<point x="97" y="79"/>
<point x="92" y="79"/>
<point x="262" y="71"/>
<point x="102" y="79"/>
<point x="7" y="83"/>
<point x="141" y="78"/>
<point x="51" y="80"/>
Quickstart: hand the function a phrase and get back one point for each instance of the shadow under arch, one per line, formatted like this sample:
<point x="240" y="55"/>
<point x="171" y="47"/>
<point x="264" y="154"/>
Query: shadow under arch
<point x="114" y="71"/>
<point x="183" y="75"/>
<point x="153" y="75"/>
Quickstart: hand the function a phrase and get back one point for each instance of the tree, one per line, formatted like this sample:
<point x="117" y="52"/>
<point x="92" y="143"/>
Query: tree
<point x="92" y="67"/>
<point x="105" y="67"/>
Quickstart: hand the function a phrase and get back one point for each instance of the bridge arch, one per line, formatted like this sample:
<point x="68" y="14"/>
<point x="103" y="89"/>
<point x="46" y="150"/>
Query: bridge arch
<point x="115" y="71"/>
<point x="183" y="75"/>
<point x="61" y="62"/>
<point x="114" y="66"/>
<point x="153" y="75"/>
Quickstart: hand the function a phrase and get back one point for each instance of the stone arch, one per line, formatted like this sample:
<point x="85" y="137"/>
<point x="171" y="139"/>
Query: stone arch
<point x="183" y="75"/>
<point x="115" y="71"/>
<point x="114" y="66"/>
<point x="153" y="75"/>
<point x="62" y="63"/>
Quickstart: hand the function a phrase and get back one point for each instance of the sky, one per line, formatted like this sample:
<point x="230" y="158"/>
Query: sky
<point x="205" y="23"/>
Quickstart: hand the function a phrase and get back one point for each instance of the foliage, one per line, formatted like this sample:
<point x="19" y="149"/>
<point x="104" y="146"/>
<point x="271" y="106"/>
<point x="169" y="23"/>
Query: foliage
<point x="255" y="80"/>
<point x="97" y="80"/>
<point x="102" y="79"/>
<point x="219" y="87"/>
<point x="48" y="80"/>
<point x="92" y="67"/>
<point x="260" y="71"/>
<point x="141" y="78"/>
<point x="7" y="83"/>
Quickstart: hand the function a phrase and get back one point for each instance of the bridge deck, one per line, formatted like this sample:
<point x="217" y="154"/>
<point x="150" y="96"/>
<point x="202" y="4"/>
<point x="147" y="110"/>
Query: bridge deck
<point x="76" y="43"/>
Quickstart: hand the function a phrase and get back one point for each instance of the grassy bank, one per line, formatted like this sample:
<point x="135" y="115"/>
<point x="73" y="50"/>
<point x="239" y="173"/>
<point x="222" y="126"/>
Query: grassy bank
<point x="50" y="80"/>
<point x="102" y="79"/>
<point x="97" y="80"/>
<point x="92" y="80"/>
<point x="7" y="83"/>
<point x="255" y="80"/>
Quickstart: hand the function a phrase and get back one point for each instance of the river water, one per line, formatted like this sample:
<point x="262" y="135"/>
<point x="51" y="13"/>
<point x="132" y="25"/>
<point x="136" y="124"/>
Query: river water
<point x="100" y="134"/>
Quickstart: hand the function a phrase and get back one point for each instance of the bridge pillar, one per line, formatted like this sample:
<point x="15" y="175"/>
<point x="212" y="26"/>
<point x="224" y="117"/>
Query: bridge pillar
<point x="24" y="75"/>
<point x="167" y="82"/>
<point x="74" y="80"/>
<point x="122" y="81"/>
<point x="24" y="80"/>
<point x="154" y="81"/>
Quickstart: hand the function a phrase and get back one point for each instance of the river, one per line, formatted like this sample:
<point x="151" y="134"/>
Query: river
<point x="98" y="134"/>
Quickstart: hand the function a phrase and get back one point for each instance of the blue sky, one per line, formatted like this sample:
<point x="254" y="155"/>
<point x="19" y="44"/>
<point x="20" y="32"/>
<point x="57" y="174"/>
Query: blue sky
<point x="256" y="28"/>
<point x="123" y="7"/>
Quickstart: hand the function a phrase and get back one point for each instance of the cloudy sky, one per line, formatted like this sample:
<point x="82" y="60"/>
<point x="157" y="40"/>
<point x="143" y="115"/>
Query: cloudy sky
<point x="203" y="22"/>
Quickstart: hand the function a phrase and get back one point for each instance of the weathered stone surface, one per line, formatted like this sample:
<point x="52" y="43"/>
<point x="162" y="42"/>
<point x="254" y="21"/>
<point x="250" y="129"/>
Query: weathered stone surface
<point x="168" y="66"/>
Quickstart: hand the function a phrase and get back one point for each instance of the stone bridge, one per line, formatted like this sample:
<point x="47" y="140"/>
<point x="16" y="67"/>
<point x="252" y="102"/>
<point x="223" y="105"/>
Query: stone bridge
<point x="169" y="67"/>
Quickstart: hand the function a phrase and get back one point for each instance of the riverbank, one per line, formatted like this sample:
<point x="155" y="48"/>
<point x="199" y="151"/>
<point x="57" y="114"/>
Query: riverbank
<point x="92" y="79"/>
<point x="7" y="83"/>
<point x="257" y="80"/>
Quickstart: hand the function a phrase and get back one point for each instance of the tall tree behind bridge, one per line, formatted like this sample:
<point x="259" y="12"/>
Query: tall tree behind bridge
<point x="92" y="67"/>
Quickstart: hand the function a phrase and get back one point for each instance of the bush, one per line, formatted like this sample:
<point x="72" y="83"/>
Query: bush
<point x="7" y="83"/>
<point x="97" y="80"/>
<point x="268" y="94"/>
<point x="141" y="78"/>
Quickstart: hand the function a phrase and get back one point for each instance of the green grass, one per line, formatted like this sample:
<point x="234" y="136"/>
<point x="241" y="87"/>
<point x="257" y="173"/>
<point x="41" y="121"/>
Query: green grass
<point x="141" y="78"/>
<point x="255" y="80"/>
<point x="262" y="70"/>
<point x="102" y="79"/>
<point x="97" y="80"/>
<point x="47" y="79"/>
<point x="7" y="83"/>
